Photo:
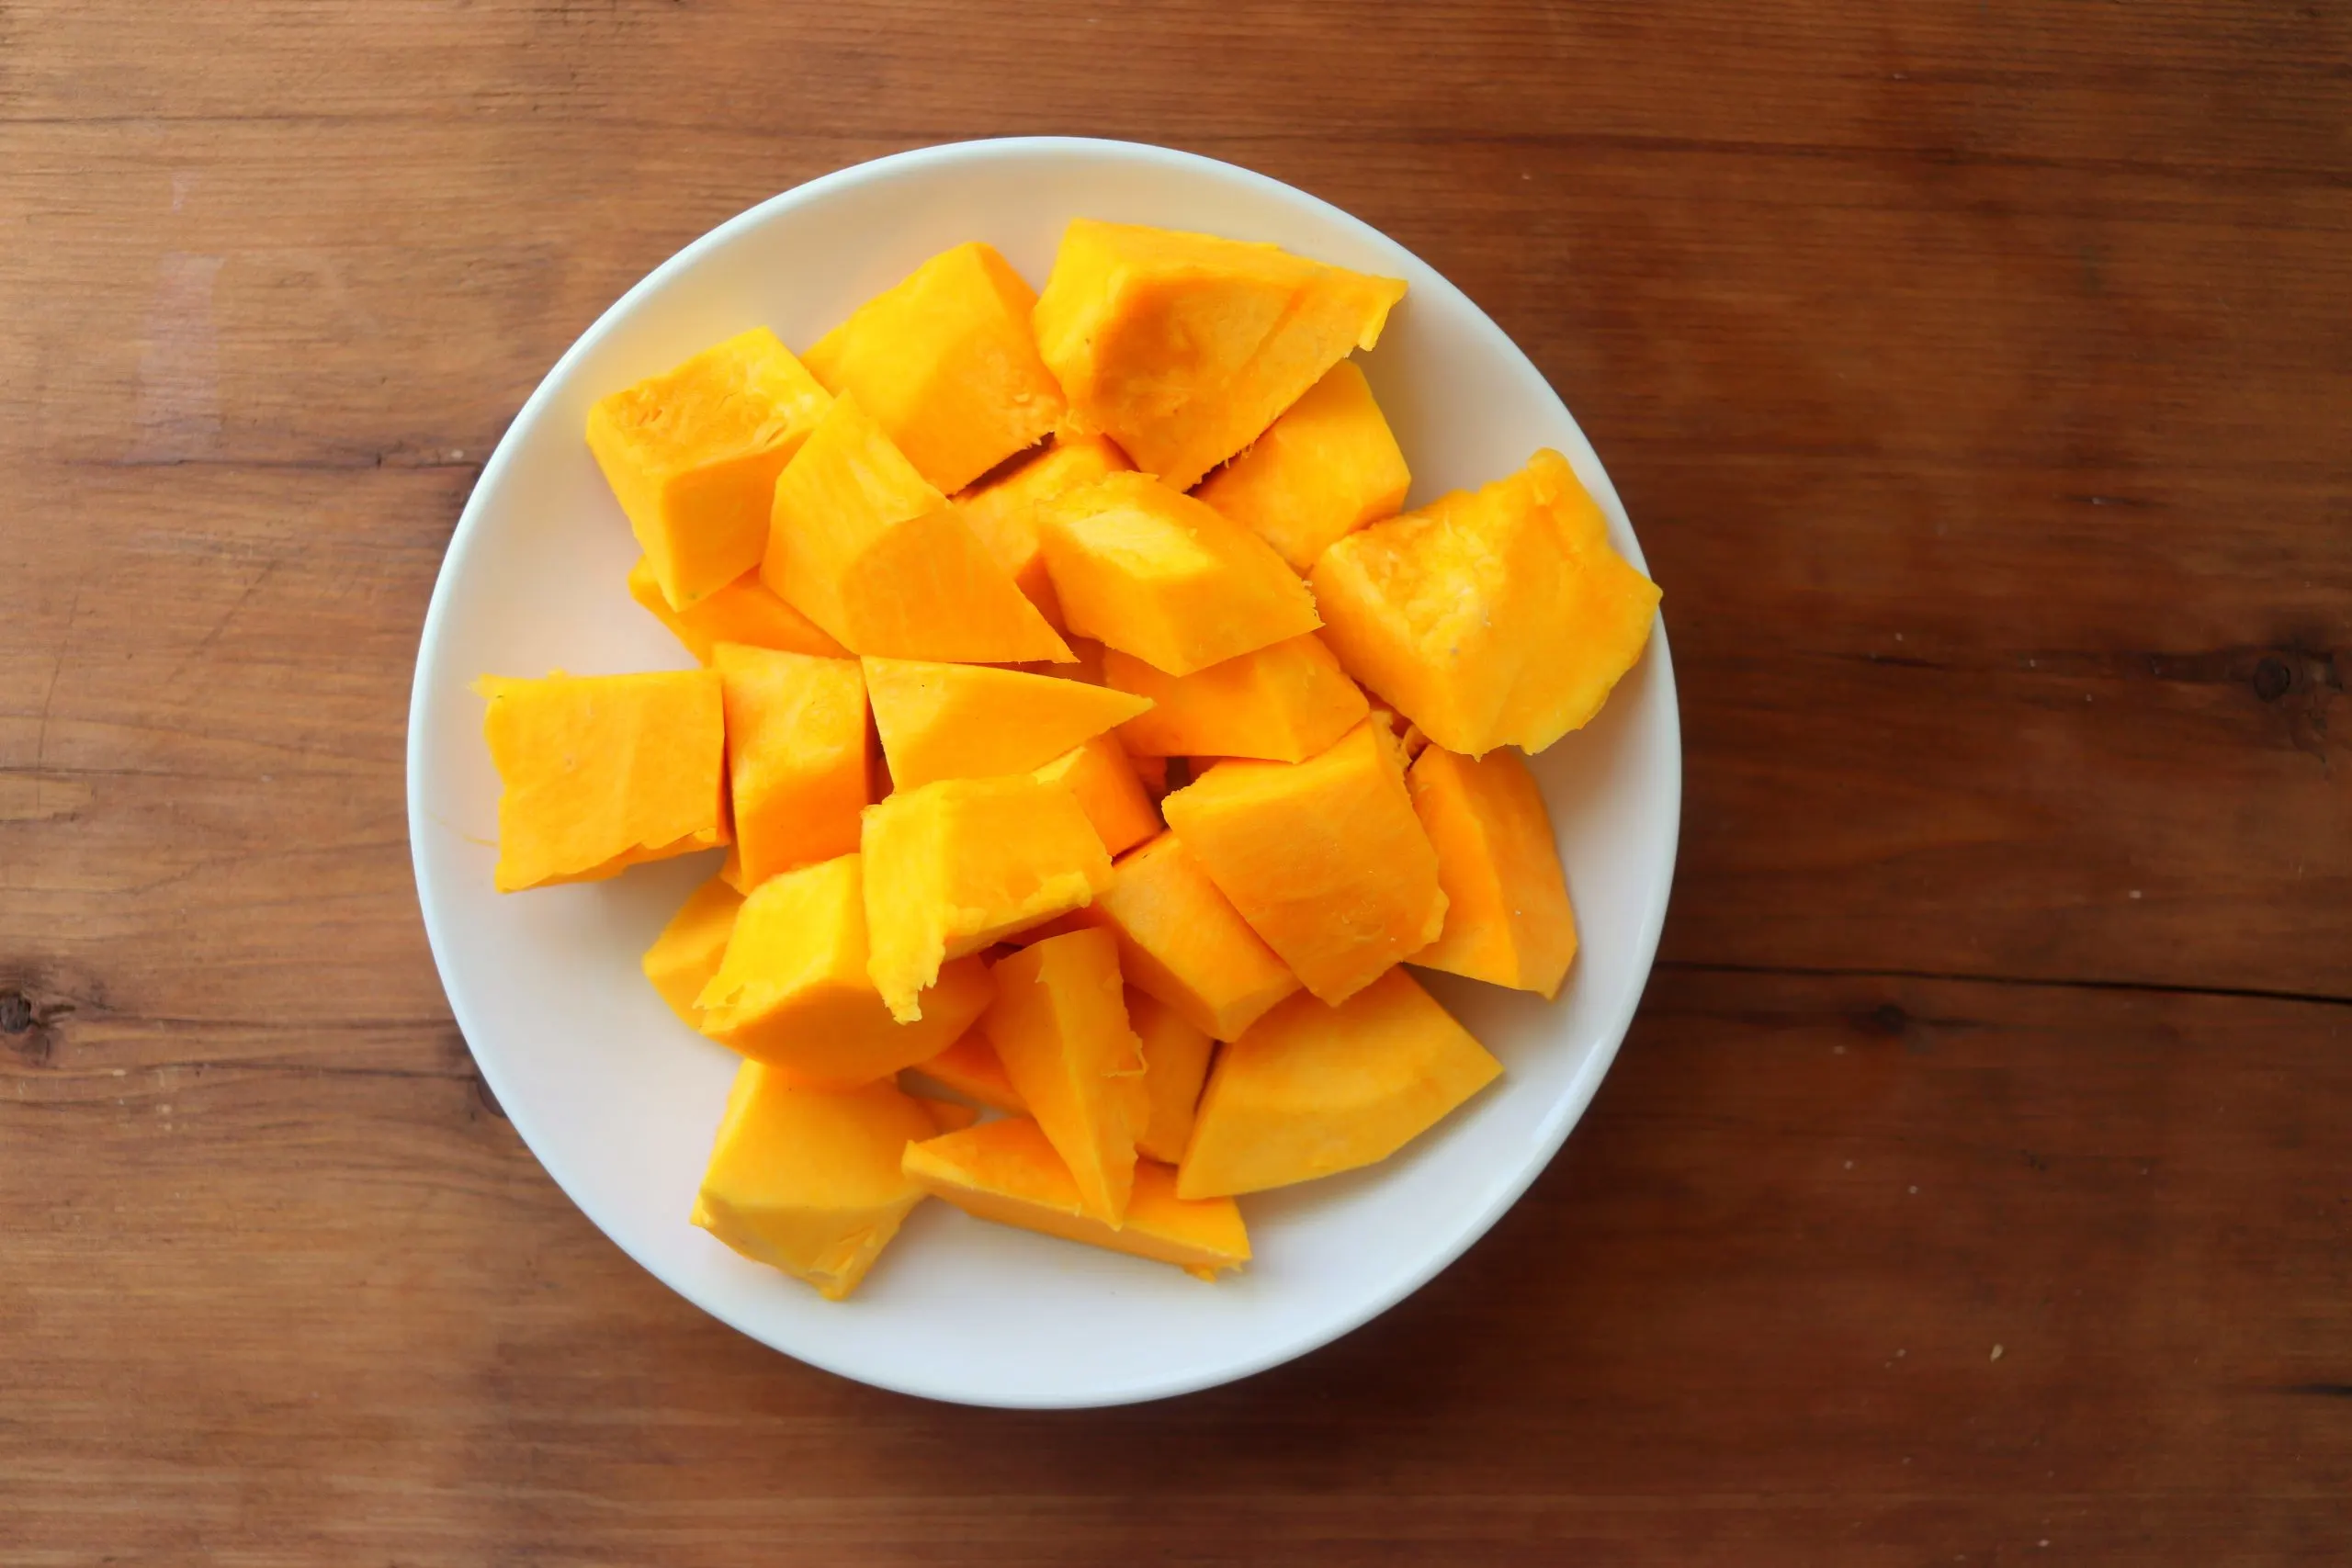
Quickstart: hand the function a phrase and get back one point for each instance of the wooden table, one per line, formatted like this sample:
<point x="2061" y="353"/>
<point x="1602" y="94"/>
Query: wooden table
<point x="1976" y="1186"/>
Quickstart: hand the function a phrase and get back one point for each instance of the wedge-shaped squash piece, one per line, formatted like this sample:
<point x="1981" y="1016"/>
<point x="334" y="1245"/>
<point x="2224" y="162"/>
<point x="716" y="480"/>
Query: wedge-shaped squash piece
<point x="971" y="1067"/>
<point x="1313" y="1090"/>
<point x="1007" y="1171"/>
<point x="1498" y="616"/>
<point x="1059" y="1025"/>
<point x="685" y="955"/>
<point x="1108" y="789"/>
<point x="1175" y="1063"/>
<point x="1326" y="467"/>
<point x="1283" y="702"/>
<point x="792" y="990"/>
<point x="603" y="772"/>
<point x="945" y="363"/>
<point x="865" y="547"/>
<point x="743" y="610"/>
<point x="1324" y="858"/>
<point x="693" y="454"/>
<point x="1507" y="915"/>
<point x="1182" y="942"/>
<point x="796" y="757"/>
<point x="1001" y="511"/>
<point x="1165" y="578"/>
<point x="969" y="721"/>
<point x="1184" y="347"/>
<point x="813" y="1181"/>
<point x="952" y="866"/>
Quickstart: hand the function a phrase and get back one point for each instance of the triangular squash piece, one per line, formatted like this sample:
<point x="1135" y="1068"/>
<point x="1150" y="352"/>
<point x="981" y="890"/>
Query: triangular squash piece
<point x="1313" y="1090"/>
<point x="1184" y="347"/>
<point x="861" y="543"/>
<point x="1059" y="1025"/>
<point x="1008" y="1172"/>
<point x="969" y="721"/>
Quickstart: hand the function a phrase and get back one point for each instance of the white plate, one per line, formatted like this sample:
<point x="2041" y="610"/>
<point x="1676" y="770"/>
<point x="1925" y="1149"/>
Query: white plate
<point x="619" y="1099"/>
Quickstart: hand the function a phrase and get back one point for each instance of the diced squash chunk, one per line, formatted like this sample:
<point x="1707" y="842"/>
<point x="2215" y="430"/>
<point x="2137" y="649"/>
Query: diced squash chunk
<point x="792" y="990"/>
<point x="1059" y="1025"/>
<point x="971" y="1067"/>
<point x="1313" y="1090"/>
<point x="1507" y="915"/>
<point x="796" y="757"/>
<point x="865" y="546"/>
<point x="1498" y="616"/>
<point x="1324" y="858"/>
<point x="743" y="610"/>
<point x="1175" y="1062"/>
<point x="693" y="454"/>
<point x="952" y="866"/>
<point x="1007" y="1171"/>
<point x="813" y="1181"/>
<point x="685" y="955"/>
<point x="1000" y="512"/>
<point x="1326" y="467"/>
<point x="1153" y="771"/>
<point x="945" y="363"/>
<point x="1283" y="702"/>
<point x="603" y="772"/>
<point x="1163" y="577"/>
<point x="1184" y="347"/>
<point x="1109" y="790"/>
<point x="971" y="721"/>
<point x="1182" y="942"/>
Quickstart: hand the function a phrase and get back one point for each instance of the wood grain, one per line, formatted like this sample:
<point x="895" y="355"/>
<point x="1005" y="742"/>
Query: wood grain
<point x="1978" y="379"/>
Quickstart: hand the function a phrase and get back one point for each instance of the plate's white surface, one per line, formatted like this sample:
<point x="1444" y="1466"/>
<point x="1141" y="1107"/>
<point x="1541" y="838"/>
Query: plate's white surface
<point x="619" y="1099"/>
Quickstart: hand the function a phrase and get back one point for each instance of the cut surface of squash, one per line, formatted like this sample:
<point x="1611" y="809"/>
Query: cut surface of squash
<point x="600" y="773"/>
<point x="692" y="455"/>
<point x="1311" y="1089"/>
<point x="1489" y="617"/>
<point x="1007" y="1171"/>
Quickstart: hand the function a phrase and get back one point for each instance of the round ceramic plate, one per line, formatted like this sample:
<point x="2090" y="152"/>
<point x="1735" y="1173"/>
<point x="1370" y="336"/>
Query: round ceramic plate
<point x="619" y="1099"/>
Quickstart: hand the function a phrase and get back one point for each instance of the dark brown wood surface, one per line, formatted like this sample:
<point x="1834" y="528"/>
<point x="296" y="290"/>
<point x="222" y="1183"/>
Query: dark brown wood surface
<point x="1976" y="1186"/>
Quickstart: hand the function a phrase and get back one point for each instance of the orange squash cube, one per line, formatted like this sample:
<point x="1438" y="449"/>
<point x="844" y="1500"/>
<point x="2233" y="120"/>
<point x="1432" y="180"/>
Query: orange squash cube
<point x="1184" y="347"/>
<point x="602" y="773"/>
<point x="971" y="1067"/>
<point x="1314" y="1090"/>
<point x="968" y="721"/>
<point x="865" y="546"/>
<point x="1175" y="1063"/>
<point x="743" y="610"/>
<point x="1059" y="1025"/>
<point x="1000" y="512"/>
<point x="693" y="453"/>
<point x="814" y="1182"/>
<point x="1326" y="467"/>
<point x="1506" y="916"/>
<point x="1008" y="1172"/>
<point x="1153" y="771"/>
<point x="1324" y="858"/>
<point x="1498" y="616"/>
<point x="1108" y="789"/>
<point x="1285" y="703"/>
<point x="685" y="955"/>
<point x="945" y="363"/>
<point x="953" y="866"/>
<point x="792" y="990"/>
<point x="1182" y="942"/>
<point x="796" y="757"/>
<point x="1156" y="574"/>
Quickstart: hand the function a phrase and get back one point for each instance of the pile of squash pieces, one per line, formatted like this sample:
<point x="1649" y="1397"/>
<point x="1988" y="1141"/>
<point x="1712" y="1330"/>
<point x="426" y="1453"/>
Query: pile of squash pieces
<point x="1091" y="738"/>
